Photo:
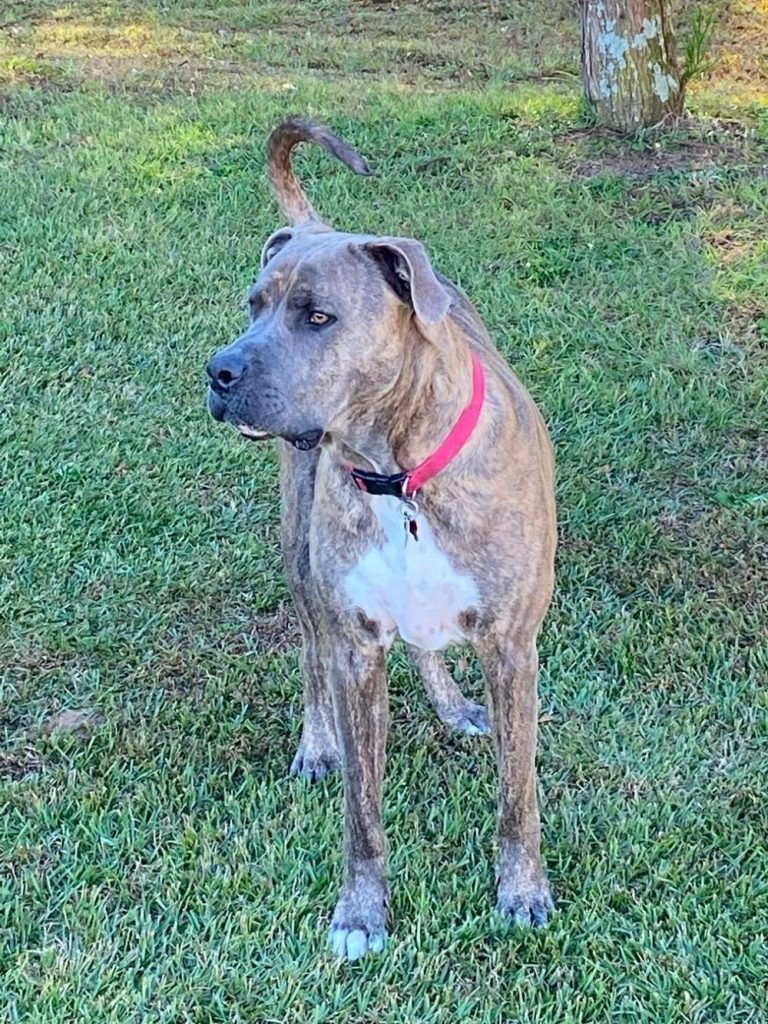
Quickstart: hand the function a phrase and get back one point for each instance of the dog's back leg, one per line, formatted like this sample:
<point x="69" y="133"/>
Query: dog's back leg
<point x="451" y="706"/>
<point x="318" y="751"/>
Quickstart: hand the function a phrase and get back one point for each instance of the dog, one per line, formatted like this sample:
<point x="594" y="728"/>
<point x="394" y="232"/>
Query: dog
<point x="417" y="496"/>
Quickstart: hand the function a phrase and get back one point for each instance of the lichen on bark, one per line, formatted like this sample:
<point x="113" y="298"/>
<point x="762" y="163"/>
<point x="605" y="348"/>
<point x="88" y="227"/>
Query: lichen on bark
<point x="629" y="63"/>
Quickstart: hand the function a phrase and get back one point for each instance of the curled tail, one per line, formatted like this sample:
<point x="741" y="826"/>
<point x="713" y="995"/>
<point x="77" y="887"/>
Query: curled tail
<point x="288" y="192"/>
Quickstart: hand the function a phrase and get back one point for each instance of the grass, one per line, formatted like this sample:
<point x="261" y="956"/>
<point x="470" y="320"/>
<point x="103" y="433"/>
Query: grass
<point x="156" y="864"/>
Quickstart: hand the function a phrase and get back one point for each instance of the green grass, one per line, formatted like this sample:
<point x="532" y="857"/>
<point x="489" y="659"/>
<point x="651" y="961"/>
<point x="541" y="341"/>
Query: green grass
<point x="160" y="866"/>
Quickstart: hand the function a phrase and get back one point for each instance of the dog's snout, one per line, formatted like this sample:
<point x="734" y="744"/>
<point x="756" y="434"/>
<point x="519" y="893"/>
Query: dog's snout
<point x="225" y="369"/>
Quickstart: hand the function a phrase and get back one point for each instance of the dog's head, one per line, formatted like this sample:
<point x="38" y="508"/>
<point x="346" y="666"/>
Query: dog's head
<point x="330" y="313"/>
<point x="329" y="316"/>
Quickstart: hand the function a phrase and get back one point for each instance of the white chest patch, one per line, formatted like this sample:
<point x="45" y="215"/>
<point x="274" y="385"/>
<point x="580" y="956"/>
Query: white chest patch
<point x="410" y="586"/>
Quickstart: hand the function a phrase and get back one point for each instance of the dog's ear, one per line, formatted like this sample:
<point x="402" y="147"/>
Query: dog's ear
<point x="274" y="244"/>
<point x="406" y="267"/>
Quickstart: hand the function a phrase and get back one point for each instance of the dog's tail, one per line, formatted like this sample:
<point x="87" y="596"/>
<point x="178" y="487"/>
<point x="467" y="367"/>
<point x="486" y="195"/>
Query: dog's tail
<point x="288" y="192"/>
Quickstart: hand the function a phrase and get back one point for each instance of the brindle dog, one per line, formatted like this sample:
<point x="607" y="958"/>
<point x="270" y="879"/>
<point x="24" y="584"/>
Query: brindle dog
<point x="359" y="354"/>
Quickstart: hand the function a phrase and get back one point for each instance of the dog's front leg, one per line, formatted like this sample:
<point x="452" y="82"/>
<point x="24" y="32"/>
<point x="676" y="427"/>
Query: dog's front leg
<point x="318" y="751"/>
<point x="510" y="664"/>
<point x="360" y="704"/>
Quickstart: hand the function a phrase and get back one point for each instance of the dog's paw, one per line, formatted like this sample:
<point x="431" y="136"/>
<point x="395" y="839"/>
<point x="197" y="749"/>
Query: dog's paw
<point x="359" y="921"/>
<point x="525" y="900"/>
<point x="466" y="718"/>
<point x="527" y="911"/>
<point x="313" y="762"/>
<point x="352" y="943"/>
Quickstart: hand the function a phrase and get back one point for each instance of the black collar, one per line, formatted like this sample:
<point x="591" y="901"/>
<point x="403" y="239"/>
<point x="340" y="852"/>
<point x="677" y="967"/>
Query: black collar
<point x="378" y="483"/>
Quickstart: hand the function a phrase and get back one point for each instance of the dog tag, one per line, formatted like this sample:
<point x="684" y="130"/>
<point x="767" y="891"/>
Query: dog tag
<point x="410" y="510"/>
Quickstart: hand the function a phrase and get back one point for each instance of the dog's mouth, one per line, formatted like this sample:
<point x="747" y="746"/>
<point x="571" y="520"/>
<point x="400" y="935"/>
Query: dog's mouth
<point x="253" y="435"/>
<point x="304" y="442"/>
<point x="219" y="410"/>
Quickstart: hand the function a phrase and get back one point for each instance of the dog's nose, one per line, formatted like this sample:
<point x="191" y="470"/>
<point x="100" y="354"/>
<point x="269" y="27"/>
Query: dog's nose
<point x="225" y="369"/>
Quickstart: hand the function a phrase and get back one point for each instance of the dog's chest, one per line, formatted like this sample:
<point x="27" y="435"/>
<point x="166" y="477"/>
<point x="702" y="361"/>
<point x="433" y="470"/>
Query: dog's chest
<point x="410" y="585"/>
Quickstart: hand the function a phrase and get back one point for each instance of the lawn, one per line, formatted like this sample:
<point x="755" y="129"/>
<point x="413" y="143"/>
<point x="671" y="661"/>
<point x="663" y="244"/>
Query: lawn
<point x="156" y="862"/>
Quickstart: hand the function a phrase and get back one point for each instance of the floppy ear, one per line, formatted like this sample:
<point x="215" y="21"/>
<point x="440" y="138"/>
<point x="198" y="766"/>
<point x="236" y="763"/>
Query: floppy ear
<point x="406" y="267"/>
<point x="274" y="244"/>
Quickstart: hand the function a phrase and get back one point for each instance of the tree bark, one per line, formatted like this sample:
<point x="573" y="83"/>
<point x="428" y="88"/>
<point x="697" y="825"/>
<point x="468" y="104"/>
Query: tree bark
<point x="629" y="63"/>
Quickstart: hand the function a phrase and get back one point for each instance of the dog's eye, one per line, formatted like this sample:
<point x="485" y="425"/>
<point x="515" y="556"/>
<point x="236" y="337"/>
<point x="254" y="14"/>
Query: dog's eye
<point x="319" y="319"/>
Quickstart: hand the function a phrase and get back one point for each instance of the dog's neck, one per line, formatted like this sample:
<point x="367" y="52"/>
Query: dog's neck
<point x="396" y="429"/>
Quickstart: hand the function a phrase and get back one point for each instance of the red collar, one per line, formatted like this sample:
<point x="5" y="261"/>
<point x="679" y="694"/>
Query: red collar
<point x="407" y="484"/>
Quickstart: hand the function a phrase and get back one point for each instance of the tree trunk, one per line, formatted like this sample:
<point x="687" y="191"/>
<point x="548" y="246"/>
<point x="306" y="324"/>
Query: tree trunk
<point x="629" y="64"/>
